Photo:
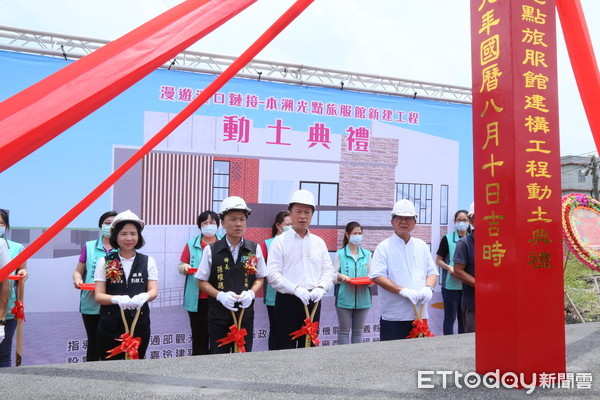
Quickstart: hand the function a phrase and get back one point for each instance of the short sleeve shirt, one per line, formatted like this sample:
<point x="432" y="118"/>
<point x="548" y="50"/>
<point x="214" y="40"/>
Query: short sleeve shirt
<point x="465" y="254"/>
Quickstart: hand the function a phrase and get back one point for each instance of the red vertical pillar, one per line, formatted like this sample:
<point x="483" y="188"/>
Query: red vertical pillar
<point x="519" y="276"/>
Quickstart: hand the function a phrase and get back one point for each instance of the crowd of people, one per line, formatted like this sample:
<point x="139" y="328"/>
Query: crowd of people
<point x="293" y="268"/>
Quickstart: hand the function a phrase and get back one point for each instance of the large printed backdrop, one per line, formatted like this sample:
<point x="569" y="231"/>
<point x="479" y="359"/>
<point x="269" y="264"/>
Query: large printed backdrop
<point x="357" y="152"/>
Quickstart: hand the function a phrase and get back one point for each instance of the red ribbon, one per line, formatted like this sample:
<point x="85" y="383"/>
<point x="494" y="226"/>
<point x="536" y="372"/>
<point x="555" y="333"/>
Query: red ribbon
<point x="129" y="345"/>
<point x="309" y="328"/>
<point x="18" y="310"/>
<point x="420" y="329"/>
<point x="235" y="336"/>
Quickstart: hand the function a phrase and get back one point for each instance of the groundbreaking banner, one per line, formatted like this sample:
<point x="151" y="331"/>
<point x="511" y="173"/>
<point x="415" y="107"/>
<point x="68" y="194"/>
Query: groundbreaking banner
<point x="358" y="153"/>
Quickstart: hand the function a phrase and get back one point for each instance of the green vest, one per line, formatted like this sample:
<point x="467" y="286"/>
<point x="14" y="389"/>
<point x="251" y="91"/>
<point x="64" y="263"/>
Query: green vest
<point x="191" y="291"/>
<point x="270" y="292"/>
<point x="351" y="296"/>
<point x="448" y="281"/>
<point x="14" y="249"/>
<point x="94" y="250"/>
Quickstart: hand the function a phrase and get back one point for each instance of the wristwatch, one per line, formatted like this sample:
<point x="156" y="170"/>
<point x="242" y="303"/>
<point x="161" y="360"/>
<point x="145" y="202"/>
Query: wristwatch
<point x="430" y="287"/>
<point x="2" y="322"/>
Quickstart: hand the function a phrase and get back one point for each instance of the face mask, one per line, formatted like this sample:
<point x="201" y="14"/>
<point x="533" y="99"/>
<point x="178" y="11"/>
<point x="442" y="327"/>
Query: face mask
<point x="287" y="228"/>
<point x="461" y="226"/>
<point x="106" y="230"/>
<point x="209" y="230"/>
<point x="355" y="239"/>
<point x="2" y="230"/>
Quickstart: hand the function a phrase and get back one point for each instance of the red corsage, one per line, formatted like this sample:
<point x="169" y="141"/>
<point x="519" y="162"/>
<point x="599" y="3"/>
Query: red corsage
<point x="250" y="262"/>
<point x="114" y="272"/>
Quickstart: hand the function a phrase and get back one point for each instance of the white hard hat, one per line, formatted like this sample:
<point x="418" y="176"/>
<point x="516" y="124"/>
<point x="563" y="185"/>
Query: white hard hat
<point x="127" y="216"/>
<point x="471" y="210"/>
<point x="404" y="208"/>
<point x="303" y="197"/>
<point x="232" y="203"/>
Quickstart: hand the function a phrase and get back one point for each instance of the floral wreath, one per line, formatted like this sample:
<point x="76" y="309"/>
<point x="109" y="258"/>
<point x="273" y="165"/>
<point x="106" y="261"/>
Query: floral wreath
<point x="579" y="245"/>
<point x="250" y="262"/>
<point x="114" y="272"/>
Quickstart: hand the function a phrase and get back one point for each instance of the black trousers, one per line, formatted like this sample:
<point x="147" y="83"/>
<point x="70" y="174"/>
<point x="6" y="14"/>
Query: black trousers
<point x="199" y="325"/>
<point x="273" y="340"/>
<point x="90" y="322"/>
<point x="219" y="331"/>
<point x="394" y="330"/>
<point x="469" y="319"/>
<point x="106" y="343"/>
<point x="289" y="316"/>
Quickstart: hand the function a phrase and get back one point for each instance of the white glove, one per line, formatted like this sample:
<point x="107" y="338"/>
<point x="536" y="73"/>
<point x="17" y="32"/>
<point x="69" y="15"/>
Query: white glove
<point x="246" y="298"/>
<point x="183" y="268"/>
<point x="302" y="294"/>
<point x="411" y="294"/>
<point x="138" y="300"/>
<point x="1" y="333"/>
<point x="124" y="302"/>
<point x="425" y="293"/>
<point x="228" y="299"/>
<point x="316" y="294"/>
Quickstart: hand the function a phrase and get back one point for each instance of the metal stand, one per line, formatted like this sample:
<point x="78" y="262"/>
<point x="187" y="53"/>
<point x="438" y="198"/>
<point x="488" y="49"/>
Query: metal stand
<point x="567" y="294"/>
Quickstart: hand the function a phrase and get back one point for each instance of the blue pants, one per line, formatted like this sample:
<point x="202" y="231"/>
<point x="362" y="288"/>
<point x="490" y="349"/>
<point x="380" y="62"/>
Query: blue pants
<point x="6" y="345"/>
<point x="452" y="311"/>
<point x="393" y="330"/>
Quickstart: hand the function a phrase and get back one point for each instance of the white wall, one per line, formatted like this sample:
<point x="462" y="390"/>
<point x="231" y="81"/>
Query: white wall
<point x="292" y="172"/>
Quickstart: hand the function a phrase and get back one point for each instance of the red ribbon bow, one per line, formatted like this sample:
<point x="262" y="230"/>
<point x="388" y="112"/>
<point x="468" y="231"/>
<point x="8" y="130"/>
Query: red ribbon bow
<point x="129" y="345"/>
<point x="235" y="336"/>
<point x="420" y="329"/>
<point x="18" y="310"/>
<point x="309" y="328"/>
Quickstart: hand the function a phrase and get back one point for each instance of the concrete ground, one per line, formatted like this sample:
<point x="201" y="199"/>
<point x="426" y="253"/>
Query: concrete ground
<point x="362" y="371"/>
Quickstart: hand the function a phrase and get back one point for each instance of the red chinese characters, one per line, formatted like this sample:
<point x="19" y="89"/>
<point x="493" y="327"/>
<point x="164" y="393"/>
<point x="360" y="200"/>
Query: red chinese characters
<point x="358" y="139"/>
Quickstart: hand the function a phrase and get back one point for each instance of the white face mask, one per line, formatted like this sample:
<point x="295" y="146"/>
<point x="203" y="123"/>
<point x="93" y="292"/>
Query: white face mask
<point x="287" y="228"/>
<point x="209" y="230"/>
<point x="106" y="230"/>
<point x="2" y="230"/>
<point x="355" y="239"/>
<point x="461" y="226"/>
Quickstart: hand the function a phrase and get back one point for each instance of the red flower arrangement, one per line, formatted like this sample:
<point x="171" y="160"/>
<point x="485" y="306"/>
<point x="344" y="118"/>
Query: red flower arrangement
<point x="580" y="228"/>
<point x="250" y="263"/>
<point x="114" y="272"/>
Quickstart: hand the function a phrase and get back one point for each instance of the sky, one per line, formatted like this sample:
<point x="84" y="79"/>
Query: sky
<point x="424" y="40"/>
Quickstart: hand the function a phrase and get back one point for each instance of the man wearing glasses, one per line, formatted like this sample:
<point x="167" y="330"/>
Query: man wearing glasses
<point x="403" y="266"/>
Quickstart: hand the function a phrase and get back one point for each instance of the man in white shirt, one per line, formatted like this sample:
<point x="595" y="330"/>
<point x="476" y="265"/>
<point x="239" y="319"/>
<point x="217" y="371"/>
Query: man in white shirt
<point x="402" y="265"/>
<point x="231" y="271"/>
<point x="300" y="269"/>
